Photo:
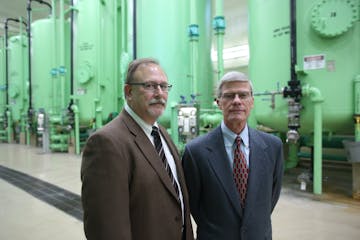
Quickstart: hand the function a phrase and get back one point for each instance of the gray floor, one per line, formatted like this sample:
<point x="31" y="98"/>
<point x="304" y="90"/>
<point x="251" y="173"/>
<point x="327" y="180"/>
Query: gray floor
<point x="25" y="212"/>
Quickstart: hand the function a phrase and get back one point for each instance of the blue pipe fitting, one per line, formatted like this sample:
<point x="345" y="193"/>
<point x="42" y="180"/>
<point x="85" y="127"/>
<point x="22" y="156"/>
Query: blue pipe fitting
<point x="219" y="24"/>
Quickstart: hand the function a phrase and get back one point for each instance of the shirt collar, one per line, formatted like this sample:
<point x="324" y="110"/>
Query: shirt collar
<point x="146" y="127"/>
<point x="230" y="136"/>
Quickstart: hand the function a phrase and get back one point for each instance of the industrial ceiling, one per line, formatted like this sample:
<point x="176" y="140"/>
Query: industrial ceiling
<point x="235" y="12"/>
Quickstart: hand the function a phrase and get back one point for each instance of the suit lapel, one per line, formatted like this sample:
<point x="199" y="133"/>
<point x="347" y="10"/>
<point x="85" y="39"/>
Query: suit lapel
<point x="149" y="152"/>
<point x="218" y="160"/>
<point x="257" y="170"/>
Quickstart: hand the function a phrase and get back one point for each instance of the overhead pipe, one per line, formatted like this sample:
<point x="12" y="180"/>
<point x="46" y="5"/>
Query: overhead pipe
<point x="219" y="26"/>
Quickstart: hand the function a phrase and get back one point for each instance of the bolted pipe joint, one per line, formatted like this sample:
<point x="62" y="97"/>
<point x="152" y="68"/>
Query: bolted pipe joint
<point x="219" y="25"/>
<point x="193" y="32"/>
<point x="293" y="135"/>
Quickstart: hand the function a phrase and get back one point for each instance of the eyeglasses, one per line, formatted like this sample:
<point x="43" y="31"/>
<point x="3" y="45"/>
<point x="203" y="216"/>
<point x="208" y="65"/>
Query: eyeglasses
<point x="151" y="86"/>
<point x="241" y="95"/>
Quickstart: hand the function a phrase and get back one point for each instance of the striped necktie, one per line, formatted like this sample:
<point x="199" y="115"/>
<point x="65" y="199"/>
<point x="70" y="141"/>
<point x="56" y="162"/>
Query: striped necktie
<point x="240" y="171"/>
<point x="160" y="150"/>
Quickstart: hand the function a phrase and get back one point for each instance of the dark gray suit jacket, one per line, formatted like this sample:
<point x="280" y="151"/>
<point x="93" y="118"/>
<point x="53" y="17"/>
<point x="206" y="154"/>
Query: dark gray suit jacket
<point x="126" y="192"/>
<point x="214" y="200"/>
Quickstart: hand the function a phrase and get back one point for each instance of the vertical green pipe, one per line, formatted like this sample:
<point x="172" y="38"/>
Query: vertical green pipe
<point x="194" y="42"/>
<point x="24" y="80"/>
<point x="219" y="7"/>
<point x="292" y="159"/>
<point x="317" y="100"/>
<point x="174" y="124"/>
<point x="317" y="148"/>
<point x="62" y="53"/>
<point x="219" y="27"/>
<point x="77" y="128"/>
<point x="53" y="59"/>
<point x="357" y="107"/>
<point x="9" y="127"/>
<point x="97" y="100"/>
<point x="116" y="50"/>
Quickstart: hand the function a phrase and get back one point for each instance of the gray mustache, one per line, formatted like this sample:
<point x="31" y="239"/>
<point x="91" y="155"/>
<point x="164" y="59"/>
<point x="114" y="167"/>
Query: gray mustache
<point x="157" y="101"/>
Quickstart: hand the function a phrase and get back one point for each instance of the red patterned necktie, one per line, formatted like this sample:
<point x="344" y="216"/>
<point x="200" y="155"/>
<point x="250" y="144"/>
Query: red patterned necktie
<point x="240" y="171"/>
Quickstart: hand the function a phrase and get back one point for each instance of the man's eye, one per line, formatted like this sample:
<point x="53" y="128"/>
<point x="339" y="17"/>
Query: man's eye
<point x="149" y="86"/>
<point x="229" y="95"/>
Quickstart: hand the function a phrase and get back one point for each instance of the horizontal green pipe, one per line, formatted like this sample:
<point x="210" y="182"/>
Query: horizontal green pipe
<point x="325" y="156"/>
<point x="59" y="137"/>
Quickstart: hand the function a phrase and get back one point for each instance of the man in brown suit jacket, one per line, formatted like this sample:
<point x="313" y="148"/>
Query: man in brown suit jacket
<point x="127" y="194"/>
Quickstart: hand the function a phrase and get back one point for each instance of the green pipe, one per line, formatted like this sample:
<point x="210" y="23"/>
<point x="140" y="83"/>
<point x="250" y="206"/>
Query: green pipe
<point x="62" y="68"/>
<point x="174" y="124"/>
<point x="60" y="137"/>
<point x="325" y="156"/>
<point x="59" y="146"/>
<point x="116" y="50"/>
<point x="98" y="114"/>
<point x="357" y="107"/>
<point x="23" y="83"/>
<point x="9" y="128"/>
<point x="220" y="59"/>
<point x="292" y="159"/>
<point x="194" y="42"/>
<point x="77" y="128"/>
<point x="219" y="27"/>
<point x="317" y="100"/>
<point x="99" y="69"/>
<point x="53" y="58"/>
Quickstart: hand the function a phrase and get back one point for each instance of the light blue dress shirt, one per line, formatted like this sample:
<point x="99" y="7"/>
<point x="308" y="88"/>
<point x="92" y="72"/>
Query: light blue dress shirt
<point x="229" y="141"/>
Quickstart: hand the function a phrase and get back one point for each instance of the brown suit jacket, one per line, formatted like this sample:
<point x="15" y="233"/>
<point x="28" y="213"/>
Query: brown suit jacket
<point x="126" y="192"/>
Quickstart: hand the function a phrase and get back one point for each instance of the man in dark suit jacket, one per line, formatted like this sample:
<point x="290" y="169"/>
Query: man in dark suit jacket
<point x="220" y="208"/>
<point x="127" y="193"/>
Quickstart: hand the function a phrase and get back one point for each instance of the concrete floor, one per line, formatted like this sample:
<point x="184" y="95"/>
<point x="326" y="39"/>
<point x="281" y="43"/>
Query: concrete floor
<point x="298" y="215"/>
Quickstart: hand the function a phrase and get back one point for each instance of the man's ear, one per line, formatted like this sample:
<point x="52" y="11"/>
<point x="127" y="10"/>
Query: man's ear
<point x="128" y="91"/>
<point x="218" y="103"/>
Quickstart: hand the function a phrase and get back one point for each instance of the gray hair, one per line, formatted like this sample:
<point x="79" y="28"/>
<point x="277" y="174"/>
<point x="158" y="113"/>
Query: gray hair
<point x="233" y="76"/>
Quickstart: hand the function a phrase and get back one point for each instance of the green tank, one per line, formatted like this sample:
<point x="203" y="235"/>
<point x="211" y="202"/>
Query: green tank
<point x="97" y="83"/>
<point x="45" y="69"/>
<point x="162" y="32"/>
<point x="327" y="61"/>
<point x="18" y="76"/>
<point x="2" y="78"/>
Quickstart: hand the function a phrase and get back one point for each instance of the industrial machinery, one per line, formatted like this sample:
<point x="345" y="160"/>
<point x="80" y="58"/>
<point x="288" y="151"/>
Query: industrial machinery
<point x="50" y="80"/>
<point x="97" y="86"/>
<point x="3" y="121"/>
<point x="302" y="74"/>
<point x="17" y="84"/>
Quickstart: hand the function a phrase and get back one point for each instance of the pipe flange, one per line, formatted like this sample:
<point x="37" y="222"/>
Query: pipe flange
<point x="331" y="18"/>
